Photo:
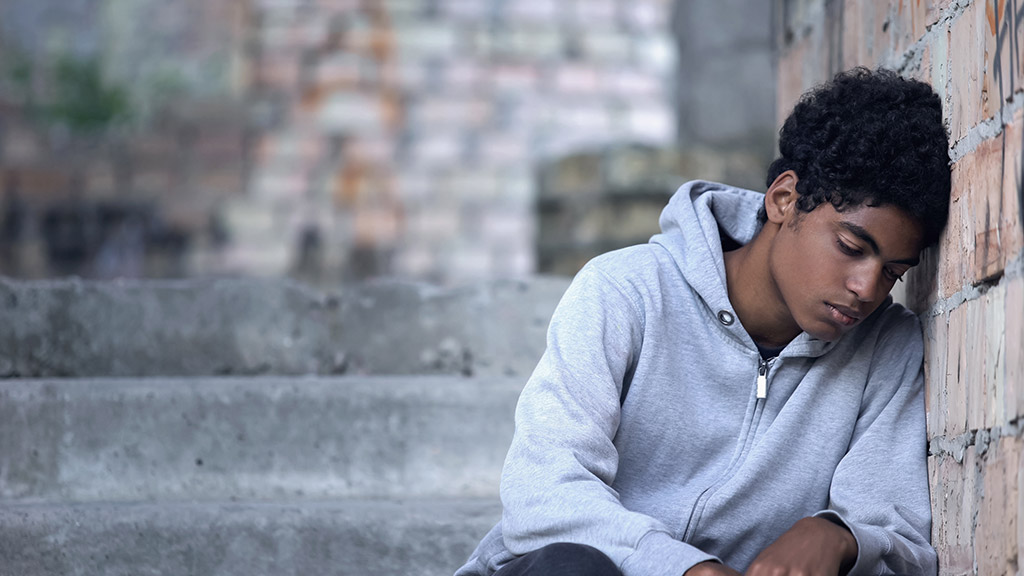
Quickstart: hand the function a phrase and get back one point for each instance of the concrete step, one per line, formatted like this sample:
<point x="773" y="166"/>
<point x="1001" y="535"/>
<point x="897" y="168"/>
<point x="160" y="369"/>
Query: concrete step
<point x="344" y="538"/>
<point x="113" y="439"/>
<point x="221" y="327"/>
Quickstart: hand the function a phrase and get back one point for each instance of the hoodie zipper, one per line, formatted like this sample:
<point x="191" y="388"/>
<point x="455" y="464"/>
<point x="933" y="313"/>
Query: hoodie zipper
<point x="763" y="368"/>
<point x="762" y="376"/>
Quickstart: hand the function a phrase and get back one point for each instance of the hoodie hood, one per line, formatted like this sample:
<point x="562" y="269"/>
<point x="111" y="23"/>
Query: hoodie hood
<point x="692" y="226"/>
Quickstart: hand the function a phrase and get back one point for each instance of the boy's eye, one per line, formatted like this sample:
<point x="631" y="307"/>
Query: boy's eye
<point x="893" y="276"/>
<point x="847" y="249"/>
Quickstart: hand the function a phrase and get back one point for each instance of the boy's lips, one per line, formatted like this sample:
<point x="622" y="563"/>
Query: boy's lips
<point x="843" y="315"/>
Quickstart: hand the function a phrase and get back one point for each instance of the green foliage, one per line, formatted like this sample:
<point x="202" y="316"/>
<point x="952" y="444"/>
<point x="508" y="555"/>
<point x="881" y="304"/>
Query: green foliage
<point x="68" y="91"/>
<point x="82" y="100"/>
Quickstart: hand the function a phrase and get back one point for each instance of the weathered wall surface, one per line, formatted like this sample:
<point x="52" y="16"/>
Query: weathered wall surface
<point x="595" y="201"/>
<point x="362" y="138"/>
<point x="122" y="130"/>
<point x="408" y="131"/>
<point x="969" y="291"/>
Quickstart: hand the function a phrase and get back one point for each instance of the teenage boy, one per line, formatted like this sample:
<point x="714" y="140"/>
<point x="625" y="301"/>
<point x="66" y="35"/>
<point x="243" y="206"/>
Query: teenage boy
<point x="741" y="394"/>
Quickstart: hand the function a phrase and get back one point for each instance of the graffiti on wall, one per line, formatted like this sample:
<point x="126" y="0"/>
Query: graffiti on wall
<point x="1005" y="20"/>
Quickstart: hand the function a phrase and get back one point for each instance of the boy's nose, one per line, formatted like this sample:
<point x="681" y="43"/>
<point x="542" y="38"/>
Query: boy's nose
<point x="863" y="281"/>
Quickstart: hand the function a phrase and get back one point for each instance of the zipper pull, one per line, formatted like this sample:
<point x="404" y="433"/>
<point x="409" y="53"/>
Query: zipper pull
<point x="762" y="379"/>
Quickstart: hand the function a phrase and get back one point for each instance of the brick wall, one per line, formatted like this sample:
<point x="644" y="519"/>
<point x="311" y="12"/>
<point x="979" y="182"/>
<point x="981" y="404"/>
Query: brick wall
<point x="402" y="136"/>
<point x="969" y="291"/>
<point x="377" y="136"/>
<point x="136" y="198"/>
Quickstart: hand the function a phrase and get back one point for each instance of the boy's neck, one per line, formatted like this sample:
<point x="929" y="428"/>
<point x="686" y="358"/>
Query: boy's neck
<point x="754" y="294"/>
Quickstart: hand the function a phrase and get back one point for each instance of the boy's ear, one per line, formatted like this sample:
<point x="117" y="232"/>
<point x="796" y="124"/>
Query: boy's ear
<point x="780" y="199"/>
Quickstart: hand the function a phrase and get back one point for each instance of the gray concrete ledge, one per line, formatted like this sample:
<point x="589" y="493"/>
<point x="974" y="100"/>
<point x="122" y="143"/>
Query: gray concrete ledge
<point x="253" y="438"/>
<point x="343" y="538"/>
<point x="227" y="327"/>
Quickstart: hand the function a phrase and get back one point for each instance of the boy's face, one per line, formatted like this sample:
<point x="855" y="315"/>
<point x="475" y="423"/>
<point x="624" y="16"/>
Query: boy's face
<point x="833" y="269"/>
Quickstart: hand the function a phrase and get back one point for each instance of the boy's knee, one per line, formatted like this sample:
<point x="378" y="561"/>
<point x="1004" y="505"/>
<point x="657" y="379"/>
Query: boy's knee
<point x="566" y="559"/>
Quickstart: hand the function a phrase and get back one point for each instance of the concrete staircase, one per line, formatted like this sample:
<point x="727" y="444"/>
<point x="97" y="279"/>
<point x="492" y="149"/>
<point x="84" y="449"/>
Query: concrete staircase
<point x="231" y="427"/>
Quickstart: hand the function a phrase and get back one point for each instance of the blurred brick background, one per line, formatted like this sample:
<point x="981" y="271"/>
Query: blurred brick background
<point x="336" y="140"/>
<point x="452" y="140"/>
<point x="969" y="291"/>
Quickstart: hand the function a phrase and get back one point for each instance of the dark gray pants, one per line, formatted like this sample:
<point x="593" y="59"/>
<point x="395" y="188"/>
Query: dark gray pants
<point x="561" y="559"/>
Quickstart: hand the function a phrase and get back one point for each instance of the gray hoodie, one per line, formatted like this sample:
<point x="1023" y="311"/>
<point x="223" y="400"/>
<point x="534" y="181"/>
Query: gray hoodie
<point x="692" y="464"/>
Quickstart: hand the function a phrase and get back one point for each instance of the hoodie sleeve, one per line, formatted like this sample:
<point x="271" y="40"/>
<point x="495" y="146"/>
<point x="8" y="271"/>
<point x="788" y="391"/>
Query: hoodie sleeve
<point x="880" y="488"/>
<point x="556" y="482"/>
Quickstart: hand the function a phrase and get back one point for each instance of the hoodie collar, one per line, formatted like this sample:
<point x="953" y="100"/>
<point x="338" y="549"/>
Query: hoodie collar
<point x="692" y="225"/>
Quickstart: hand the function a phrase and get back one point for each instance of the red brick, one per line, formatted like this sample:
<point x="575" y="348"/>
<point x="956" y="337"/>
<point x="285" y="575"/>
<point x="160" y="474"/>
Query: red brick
<point x="989" y="178"/>
<point x="857" y="23"/>
<point x="156" y="182"/>
<point x="967" y="63"/>
<point x="911" y="19"/>
<point x="1014" y="316"/>
<point x="377" y="226"/>
<point x="922" y="282"/>
<point x="936" y="490"/>
<point x="342" y="71"/>
<point x="952" y="253"/>
<point x="994" y="336"/>
<point x="100" y="180"/>
<point x="996" y="532"/>
<point x="953" y="506"/>
<point x="220" y="146"/>
<point x="987" y="257"/>
<point x="293" y="33"/>
<point x="375" y="41"/>
<point x="21" y="144"/>
<point x="1003" y="37"/>
<point x="923" y="71"/>
<point x="297" y="146"/>
<point x="1011" y="230"/>
<point x="220" y="181"/>
<point x="790" y="82"/>
<point x="380" y="150"/>
<point x="450" y="111"/>
<point x="868" y="33"/>
<point x="406" y="75"/>
<point x="279" y="71"/>
<point x="38" y="184"/>
<point x="935" y="351"/>
<point x="955" y="389"/>
<point x="974" y="363"/>
<point x="153" y="148"/>
<point x="882" y="45"/>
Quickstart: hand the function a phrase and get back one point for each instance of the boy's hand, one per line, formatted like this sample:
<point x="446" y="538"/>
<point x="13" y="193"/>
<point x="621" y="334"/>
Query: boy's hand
<point x="812" y="547"/>
<point x="711" y="569"/>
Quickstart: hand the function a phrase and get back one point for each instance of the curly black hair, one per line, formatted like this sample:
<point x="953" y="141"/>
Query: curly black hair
<point x="869" y="137"/>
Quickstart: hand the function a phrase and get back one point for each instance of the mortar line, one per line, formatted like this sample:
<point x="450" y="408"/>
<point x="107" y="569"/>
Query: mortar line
<point x="987" y="129"/>
<point x="1011" y="271"/>
<point x="981" y="438"/>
